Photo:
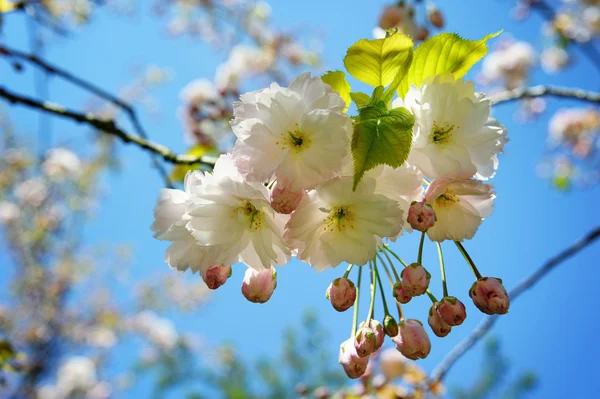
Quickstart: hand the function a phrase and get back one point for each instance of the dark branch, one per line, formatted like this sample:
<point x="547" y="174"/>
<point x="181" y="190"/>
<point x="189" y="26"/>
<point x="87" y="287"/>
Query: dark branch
<point x="456" y="353"/>
<point x="90" y="87"/>
<point x="107" y="126"/>
<point x="550" y="91"/>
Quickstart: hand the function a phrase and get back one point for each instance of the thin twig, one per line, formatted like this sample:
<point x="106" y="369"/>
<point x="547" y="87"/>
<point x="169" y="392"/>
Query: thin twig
<point x="543" y="90"/>
<point x="107" y="126"/>
<point x="456" y="353"/>
<point x="51" y="69"/>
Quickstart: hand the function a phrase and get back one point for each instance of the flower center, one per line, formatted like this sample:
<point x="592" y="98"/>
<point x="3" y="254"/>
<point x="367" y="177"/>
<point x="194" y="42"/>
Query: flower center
<point x="441" y="134"/>
<point x="447" y="199"/>
<point x="247" y="213"/>
<point x="339" y="218"/>
<point x="295" y="140"/>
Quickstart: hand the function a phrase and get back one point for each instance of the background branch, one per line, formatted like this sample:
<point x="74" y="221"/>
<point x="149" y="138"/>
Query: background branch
<point x="462" y="347"/>
<point x="107" y="126"/>
<point x="51" y="69"/>
<point x="544" y="90"/>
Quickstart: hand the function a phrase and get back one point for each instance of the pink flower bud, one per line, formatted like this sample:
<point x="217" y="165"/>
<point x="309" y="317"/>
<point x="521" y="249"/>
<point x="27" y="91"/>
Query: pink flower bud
<point x="415" y="279"/>
<point x="437" y="324"/>
<point x="378" y="330"/>
<point x="490" y="296"/>
<point x="400" y="293"/>
<point x="435" y="17"/>
<point x="421" y="216"/>
<point x="342" y="294"/>
<point x="452" y="311"/>
<point x="390" y="327"/>
<point x="364" y="341"/>
<point x="284" y="200"/>
<point x="354" y="365"/>
<point x="258" y="286"/>
<point x="216" y="276"/>
<point x="412" y="340"/>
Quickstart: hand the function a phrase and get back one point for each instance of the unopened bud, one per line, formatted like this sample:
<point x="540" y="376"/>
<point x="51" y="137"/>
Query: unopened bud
<point x="400" y="293"/>
<point x="354" y="365"/>
<point x="452" y="311"/>
<point x="435" y="16"/>
<point x="341" y="293"/>
<point x="490" y="296"/>
<point x="378" y="330"/>
<point x="415" y="279"/>
<point x="412" y="340"/>
<point x="364" y="341"/>
<point x="437" y="324"/>
<point x="390" y="326"/>
<point x="284" y="199"/>
<point x="421" y="216"/>
<point x="216" y="276"/>
<point x="258" y="286"/>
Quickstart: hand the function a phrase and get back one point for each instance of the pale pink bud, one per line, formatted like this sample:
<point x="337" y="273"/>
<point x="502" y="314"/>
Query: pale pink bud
<point x="378" y="330"/>
<point x="490" y="296"/>
<point x="435" y="17"/>
<point x="400" y="293"/>
<point x="412" y="340"/>
<point x="258" y="286"/>
<point x="415" y="279"/>
<point x="364" y="341"/>
<point x="421" y="216"/>
<point x="390" y="327"/>
<point x="354" y="365"/>
<point x="341" y="293"/>
<point x="437" y="324"/>
<point x="216" y="276"/>
<point x="452" y="311"/>
<point x="391" y="17"/>
<point x="284" y="200"/>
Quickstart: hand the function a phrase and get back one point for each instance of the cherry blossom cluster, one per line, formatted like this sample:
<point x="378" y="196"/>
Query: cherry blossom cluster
<point x="286" y="189"/>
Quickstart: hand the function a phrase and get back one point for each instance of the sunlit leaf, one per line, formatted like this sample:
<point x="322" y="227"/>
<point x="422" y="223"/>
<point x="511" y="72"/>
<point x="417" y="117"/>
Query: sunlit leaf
<point x="337" y="81"/>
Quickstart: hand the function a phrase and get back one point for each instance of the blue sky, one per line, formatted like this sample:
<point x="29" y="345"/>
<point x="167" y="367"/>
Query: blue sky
<point x="550" y="330"/>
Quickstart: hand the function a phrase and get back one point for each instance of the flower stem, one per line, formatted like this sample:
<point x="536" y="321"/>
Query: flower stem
<point x="400" y="314"/>
<point x="385" y="267"/>
<point x="355" y="316"/>
<point x="373" y="289"/>
<point x="348" y="270"/>
<point x="385" y="308"/>
<point x="420" y="256"/>
<point x="431" y="296"/>
<point x="427" y="182"/>
<point x="391" y="263"/>
<point x="465" y="254"/>
<point x="442" y="269"/>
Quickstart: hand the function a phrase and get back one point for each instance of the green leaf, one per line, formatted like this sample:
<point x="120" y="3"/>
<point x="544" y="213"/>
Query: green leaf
<point x="380" y="137"/>
<point x="446" y="52"/>
<point x="337" y="81"/>
<point x="360" y="99"/>
<point x="377" y="62"/>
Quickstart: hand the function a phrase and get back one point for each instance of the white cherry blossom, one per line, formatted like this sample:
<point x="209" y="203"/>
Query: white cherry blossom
<point x="299" y="134"/>
<point x="460" y="206"/>
<point x="453" y="136"/>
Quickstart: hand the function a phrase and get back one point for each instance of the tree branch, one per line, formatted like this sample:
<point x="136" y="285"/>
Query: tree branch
<point x="456" y="353"/>
<point x="107" y="126"/>
<point x="542" y="90"/>
<point x="90" y="87"/>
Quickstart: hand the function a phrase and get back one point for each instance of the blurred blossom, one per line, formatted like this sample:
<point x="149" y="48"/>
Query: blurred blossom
<point x="199" y="91"/>
<point x="101" y="337"/>
<point x="76" y="375"/>
<point x="61" y="164"/>
<point x="32" y="192"/>
<point x="158" y="330"/>
<point x="16" y="158"/>
<point x="509" y="63"/>
<point x="9" y="212"/>
<point x="570" y="125"/>
<point x="554" y="59"/>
